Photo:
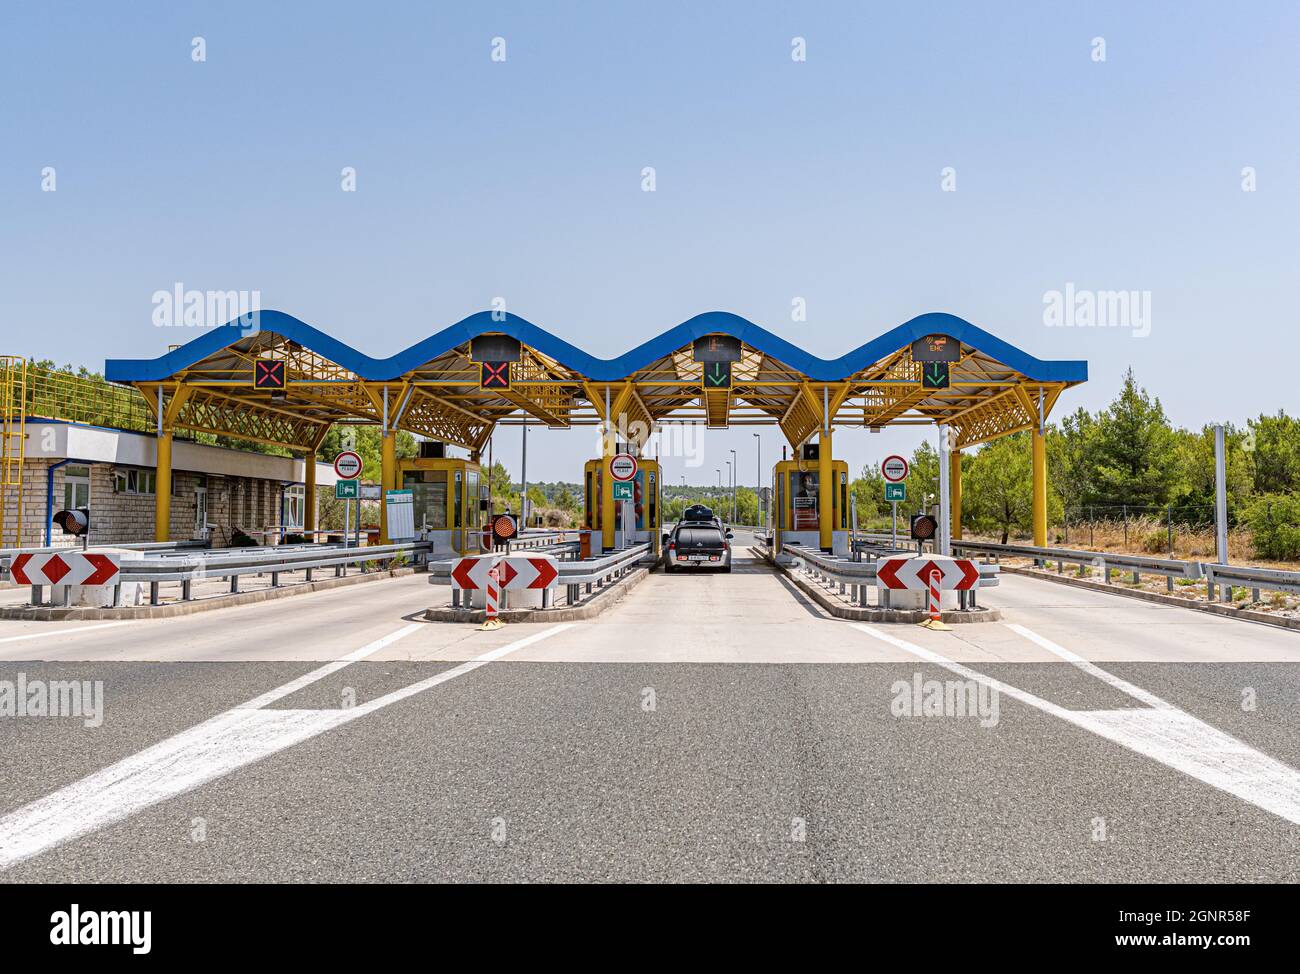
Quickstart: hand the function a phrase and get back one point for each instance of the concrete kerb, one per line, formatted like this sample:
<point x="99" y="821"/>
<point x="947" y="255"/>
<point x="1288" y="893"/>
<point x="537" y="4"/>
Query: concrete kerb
<point x="594" y="606"/>
<point x="1201" y="605"/>
<point x="175" y="609"/>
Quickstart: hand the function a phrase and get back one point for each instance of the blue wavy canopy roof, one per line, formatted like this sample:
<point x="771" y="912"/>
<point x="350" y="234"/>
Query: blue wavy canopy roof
<point x="597" y="369"/>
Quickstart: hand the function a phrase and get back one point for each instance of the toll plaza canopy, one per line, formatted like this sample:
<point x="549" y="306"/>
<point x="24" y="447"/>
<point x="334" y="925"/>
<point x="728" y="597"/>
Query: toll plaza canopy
<point x="716" y="368"/>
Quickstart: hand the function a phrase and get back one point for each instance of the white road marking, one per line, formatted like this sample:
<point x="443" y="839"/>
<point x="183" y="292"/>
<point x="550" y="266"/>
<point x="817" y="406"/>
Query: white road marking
<point x="1163" y="733"/>
<point x="1137" y="693"/>
<point x="216" y="747"/>
<point x="46" y="634"/>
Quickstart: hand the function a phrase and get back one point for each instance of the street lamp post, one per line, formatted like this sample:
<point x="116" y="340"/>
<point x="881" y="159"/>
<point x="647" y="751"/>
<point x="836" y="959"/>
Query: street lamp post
<point x="758" y="477"/>
<point x="735" y="475"/>
<point x="724" y="496"/>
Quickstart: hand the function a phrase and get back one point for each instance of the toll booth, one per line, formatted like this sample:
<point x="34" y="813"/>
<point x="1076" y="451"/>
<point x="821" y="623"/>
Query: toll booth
<point x="796" y="504"/>
<point x="445" y="497"/>
<point x="643" y="511"/>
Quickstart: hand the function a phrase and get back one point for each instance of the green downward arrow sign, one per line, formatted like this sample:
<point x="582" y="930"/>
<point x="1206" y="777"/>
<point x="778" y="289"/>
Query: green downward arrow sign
<point x="719" y="375"/>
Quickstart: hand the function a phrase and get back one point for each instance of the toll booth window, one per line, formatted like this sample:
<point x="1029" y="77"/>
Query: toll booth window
<point x="844" y="501"/>
<point x="803" y="496"/>
<point x="429" y="499"/>
<point x="780" y="501"/>
<point x="589" y="495"/>
<point x="475" y="515"/>
<point x="654" y="500"/>
<point x="459" y="500"/>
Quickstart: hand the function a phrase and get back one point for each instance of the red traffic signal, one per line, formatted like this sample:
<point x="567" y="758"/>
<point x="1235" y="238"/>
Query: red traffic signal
<point x="75" y="521"/>
<point x="924" y="527"/>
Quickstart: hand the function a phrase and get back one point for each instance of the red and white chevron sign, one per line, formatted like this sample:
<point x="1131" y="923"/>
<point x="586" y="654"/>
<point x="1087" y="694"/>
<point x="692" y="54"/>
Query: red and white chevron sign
<point x="471" y="572"/>
<point x="68" y="568"/>
<point x="532" y="571"/>
<point x="914" y="573"/>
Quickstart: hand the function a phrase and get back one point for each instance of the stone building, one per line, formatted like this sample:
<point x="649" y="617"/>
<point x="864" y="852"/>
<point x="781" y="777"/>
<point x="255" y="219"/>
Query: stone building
<point x="214" y="490"/>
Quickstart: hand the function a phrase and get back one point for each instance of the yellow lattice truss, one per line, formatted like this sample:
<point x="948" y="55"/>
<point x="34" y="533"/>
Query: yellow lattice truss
<point x="442" y="399"/>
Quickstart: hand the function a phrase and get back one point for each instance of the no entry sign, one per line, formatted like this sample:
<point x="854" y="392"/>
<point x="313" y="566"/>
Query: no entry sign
<point x="622" y="466"/>
<point x="348" y="465"/>
<point x="894" y="469"/>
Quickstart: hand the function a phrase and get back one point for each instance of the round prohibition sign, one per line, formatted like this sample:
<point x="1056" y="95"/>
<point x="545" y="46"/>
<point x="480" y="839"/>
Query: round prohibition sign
<point x="347" y="465"/>
<point x="894" y="469"/>
<point x="623" y="467"/>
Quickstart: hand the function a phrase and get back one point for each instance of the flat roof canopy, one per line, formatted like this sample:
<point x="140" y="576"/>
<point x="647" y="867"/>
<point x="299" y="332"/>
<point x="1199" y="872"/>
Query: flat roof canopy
<point x="434" y="388"/>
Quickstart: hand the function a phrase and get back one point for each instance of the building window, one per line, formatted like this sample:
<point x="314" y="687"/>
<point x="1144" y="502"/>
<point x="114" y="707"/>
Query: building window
<point x="295" y="502"/>
<point x="76" y="487"/>
<point x="137" y="482"/>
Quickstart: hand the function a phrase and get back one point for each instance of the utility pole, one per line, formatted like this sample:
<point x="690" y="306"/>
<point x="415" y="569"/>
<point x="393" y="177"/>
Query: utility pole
<point x="1220" y="497"/>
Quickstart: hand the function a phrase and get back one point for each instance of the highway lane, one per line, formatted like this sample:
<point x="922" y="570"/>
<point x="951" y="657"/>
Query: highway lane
<point x="713" y="727"/>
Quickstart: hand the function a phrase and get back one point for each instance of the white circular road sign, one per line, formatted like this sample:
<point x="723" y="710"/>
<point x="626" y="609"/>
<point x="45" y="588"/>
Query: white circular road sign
<point x="894" y="469"/>
<point x="622" y="467"/>
<point x="348" y="465"/>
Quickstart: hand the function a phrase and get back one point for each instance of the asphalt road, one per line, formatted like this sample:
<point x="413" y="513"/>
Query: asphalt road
<point x="710" y="727"/>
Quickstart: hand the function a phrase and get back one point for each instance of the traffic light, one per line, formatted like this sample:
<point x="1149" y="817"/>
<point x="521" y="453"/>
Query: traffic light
<point x="924" y="527"/>
<point x="75" y="522"/>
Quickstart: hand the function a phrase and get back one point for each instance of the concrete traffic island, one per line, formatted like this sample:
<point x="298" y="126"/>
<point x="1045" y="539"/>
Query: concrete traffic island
<point x="590" y="607"/>
<point x="830" y="601"/>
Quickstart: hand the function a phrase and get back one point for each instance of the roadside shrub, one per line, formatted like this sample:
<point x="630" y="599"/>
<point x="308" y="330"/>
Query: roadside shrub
<point x="1274" y="524"/>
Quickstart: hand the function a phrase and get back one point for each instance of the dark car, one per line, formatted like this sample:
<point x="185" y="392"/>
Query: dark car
<point x="697" y="544"/>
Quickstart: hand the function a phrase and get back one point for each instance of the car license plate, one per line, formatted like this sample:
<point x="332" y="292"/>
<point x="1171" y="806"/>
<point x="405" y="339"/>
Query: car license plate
<point x="699" y="557"/>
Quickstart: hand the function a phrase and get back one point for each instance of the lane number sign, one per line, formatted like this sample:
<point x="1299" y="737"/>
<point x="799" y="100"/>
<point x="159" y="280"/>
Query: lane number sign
<point x="894" y="469"/>
<point x="348" y="465"/>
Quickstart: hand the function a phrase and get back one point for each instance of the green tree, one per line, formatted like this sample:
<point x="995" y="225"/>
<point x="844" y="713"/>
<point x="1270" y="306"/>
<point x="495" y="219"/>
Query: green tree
<point x="923" y="477"/>
<point x="1274" y="442"/>
<point x="868" y="492"/>
<point x="1130" y="456"/>
<point x="997" y="486"/>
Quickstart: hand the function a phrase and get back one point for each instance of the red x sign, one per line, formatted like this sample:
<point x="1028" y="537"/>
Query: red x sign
<point x="494" y="375"/>
<point x="268" y="374"/>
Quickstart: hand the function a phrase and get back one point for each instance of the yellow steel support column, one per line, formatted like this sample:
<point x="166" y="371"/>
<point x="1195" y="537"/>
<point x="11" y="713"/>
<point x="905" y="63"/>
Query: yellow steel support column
<point x="162" y="499"/>
<point x="1040" y="488"/>
<point x="825" y="490"/>
<point x="954" y="492"/>
<point x="607" y="511"/>
<point x="387" y="480"/>
<point x="309" y="495"/>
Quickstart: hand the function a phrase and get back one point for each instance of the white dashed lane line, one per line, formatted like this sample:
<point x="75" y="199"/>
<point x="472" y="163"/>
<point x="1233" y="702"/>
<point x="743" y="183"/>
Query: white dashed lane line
<point x="1159" y="731"/>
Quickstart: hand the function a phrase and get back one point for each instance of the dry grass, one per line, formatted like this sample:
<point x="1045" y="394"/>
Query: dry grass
<point x="1149" y="536"/>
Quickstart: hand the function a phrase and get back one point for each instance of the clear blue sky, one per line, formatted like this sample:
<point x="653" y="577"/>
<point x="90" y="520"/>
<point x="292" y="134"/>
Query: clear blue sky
<point x="775" y="179"/>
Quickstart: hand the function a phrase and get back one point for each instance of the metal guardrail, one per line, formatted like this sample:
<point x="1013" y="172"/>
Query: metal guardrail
<point x="1218" y="578"/>
<point x="855" y="578"/>
<point x="232" y="563"/>
<point x="576" y="577"/>
<point x="7" y="554"/>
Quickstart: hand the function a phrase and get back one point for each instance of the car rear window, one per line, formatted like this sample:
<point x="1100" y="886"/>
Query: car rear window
<point x="705" y="536"/>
